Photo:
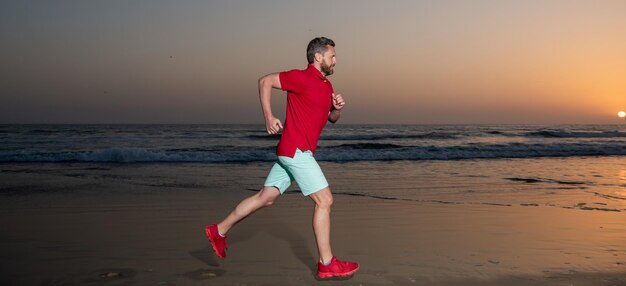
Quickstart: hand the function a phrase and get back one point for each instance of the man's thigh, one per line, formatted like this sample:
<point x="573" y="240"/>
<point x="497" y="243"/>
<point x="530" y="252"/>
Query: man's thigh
<point x="305" y="171"/>
<point x="278" y="178"/>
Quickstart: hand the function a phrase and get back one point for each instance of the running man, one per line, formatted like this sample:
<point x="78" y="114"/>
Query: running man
<point x="311" y="102"/>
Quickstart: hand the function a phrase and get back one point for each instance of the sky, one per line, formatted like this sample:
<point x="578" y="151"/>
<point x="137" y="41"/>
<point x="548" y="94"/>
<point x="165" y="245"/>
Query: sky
<point x="404" y="62"/>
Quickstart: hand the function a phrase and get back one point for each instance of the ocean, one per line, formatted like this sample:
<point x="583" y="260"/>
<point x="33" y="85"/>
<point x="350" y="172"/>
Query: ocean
<point x="569" y="166"/>
<point x="127" y="144"/>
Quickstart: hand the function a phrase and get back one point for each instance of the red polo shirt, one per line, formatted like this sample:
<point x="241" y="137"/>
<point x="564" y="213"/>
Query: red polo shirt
<point x="309" y="99"/>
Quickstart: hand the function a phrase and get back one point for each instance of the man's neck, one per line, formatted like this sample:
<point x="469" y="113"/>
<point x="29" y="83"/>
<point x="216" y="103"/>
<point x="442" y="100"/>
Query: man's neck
<point x="318" y="66"/>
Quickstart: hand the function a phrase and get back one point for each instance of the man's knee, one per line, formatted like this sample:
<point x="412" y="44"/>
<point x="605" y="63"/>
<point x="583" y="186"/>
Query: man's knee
<point x="268" y="195"/>
<point x="268" y="202"/>
<point x="324" y="198"/>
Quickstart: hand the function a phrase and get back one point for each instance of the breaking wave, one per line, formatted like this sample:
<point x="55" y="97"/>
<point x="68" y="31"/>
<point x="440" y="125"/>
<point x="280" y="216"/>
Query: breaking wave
<point x="343" y="152"/>
<point x="576" y="134"/>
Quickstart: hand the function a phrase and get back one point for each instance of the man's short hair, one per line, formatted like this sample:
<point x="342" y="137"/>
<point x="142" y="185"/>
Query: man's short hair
<point x="317" y="45"/>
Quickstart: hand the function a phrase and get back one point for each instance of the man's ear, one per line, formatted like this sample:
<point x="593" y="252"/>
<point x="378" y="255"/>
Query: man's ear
<point x="318" y="57"/>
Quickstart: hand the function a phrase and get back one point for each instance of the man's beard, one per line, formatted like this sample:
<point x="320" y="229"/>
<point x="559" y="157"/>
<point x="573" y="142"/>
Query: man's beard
<point x="327" y="70"/>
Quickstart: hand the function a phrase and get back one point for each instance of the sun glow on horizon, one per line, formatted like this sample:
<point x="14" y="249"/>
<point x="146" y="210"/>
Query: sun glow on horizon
<point x="621" y="114"/>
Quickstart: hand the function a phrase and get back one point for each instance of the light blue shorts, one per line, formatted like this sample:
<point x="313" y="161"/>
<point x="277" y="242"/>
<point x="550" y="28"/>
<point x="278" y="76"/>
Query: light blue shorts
<point x="302" y="168"/>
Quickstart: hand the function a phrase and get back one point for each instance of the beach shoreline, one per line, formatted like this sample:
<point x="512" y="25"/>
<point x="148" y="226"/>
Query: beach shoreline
<point x="106" y="225"/>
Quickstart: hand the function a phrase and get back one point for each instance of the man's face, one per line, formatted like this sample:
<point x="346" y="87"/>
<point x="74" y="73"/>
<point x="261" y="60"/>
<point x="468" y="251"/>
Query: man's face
<point x="328" y="61"/>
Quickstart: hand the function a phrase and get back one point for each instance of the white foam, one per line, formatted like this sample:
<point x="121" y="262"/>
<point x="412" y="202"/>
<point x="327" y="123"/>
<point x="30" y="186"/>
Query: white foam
<point x="329" y="153"/>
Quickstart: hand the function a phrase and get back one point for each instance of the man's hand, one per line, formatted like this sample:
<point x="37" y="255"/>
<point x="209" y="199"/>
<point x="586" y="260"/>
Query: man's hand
<point x="338" y="102"/>
<point x="273" y="125"/>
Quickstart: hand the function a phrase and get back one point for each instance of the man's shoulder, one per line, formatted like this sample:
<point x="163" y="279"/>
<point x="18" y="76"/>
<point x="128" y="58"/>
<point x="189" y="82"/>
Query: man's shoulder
<point x="295" y="75"/>
<point x="295" y="71"/>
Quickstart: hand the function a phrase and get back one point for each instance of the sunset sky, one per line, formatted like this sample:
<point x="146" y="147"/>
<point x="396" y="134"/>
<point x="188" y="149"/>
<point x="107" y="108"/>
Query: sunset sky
<point x="417" y="62"/>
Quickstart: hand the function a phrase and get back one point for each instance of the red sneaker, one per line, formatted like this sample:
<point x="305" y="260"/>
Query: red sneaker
<point x="336" y="268"/>
<point x="217" y="241"/>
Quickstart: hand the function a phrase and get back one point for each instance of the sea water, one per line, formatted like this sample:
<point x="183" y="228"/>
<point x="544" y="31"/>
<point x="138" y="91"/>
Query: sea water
<point x="338" y="143"/>
<point x="569" y="166"/>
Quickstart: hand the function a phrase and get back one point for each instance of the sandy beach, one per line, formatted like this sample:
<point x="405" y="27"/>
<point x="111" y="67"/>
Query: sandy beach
<point x="77" y="224"/>
<point x="465" y="143"/>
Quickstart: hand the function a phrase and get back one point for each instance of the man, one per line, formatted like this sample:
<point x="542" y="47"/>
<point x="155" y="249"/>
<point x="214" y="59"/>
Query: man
<point x="310" y="103"/>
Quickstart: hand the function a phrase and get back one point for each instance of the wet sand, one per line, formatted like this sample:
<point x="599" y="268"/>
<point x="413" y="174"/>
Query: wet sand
<point x="96" y="226"/>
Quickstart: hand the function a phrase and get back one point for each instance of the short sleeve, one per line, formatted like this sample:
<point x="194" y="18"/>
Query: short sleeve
<point x="291" y="81"/>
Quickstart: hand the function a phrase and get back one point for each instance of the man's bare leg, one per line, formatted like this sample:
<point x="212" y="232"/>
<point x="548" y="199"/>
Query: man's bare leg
<point x="265" y="197"/>
<point x="321" y="223"/>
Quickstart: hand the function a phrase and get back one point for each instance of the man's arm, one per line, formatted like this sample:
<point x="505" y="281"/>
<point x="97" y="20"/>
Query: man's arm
<point x="266" y="83"/>
<point x="335" y="112"/>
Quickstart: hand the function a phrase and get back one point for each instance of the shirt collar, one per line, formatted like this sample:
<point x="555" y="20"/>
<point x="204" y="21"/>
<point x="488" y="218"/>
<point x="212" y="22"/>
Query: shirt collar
<point x="312" y="69"/>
